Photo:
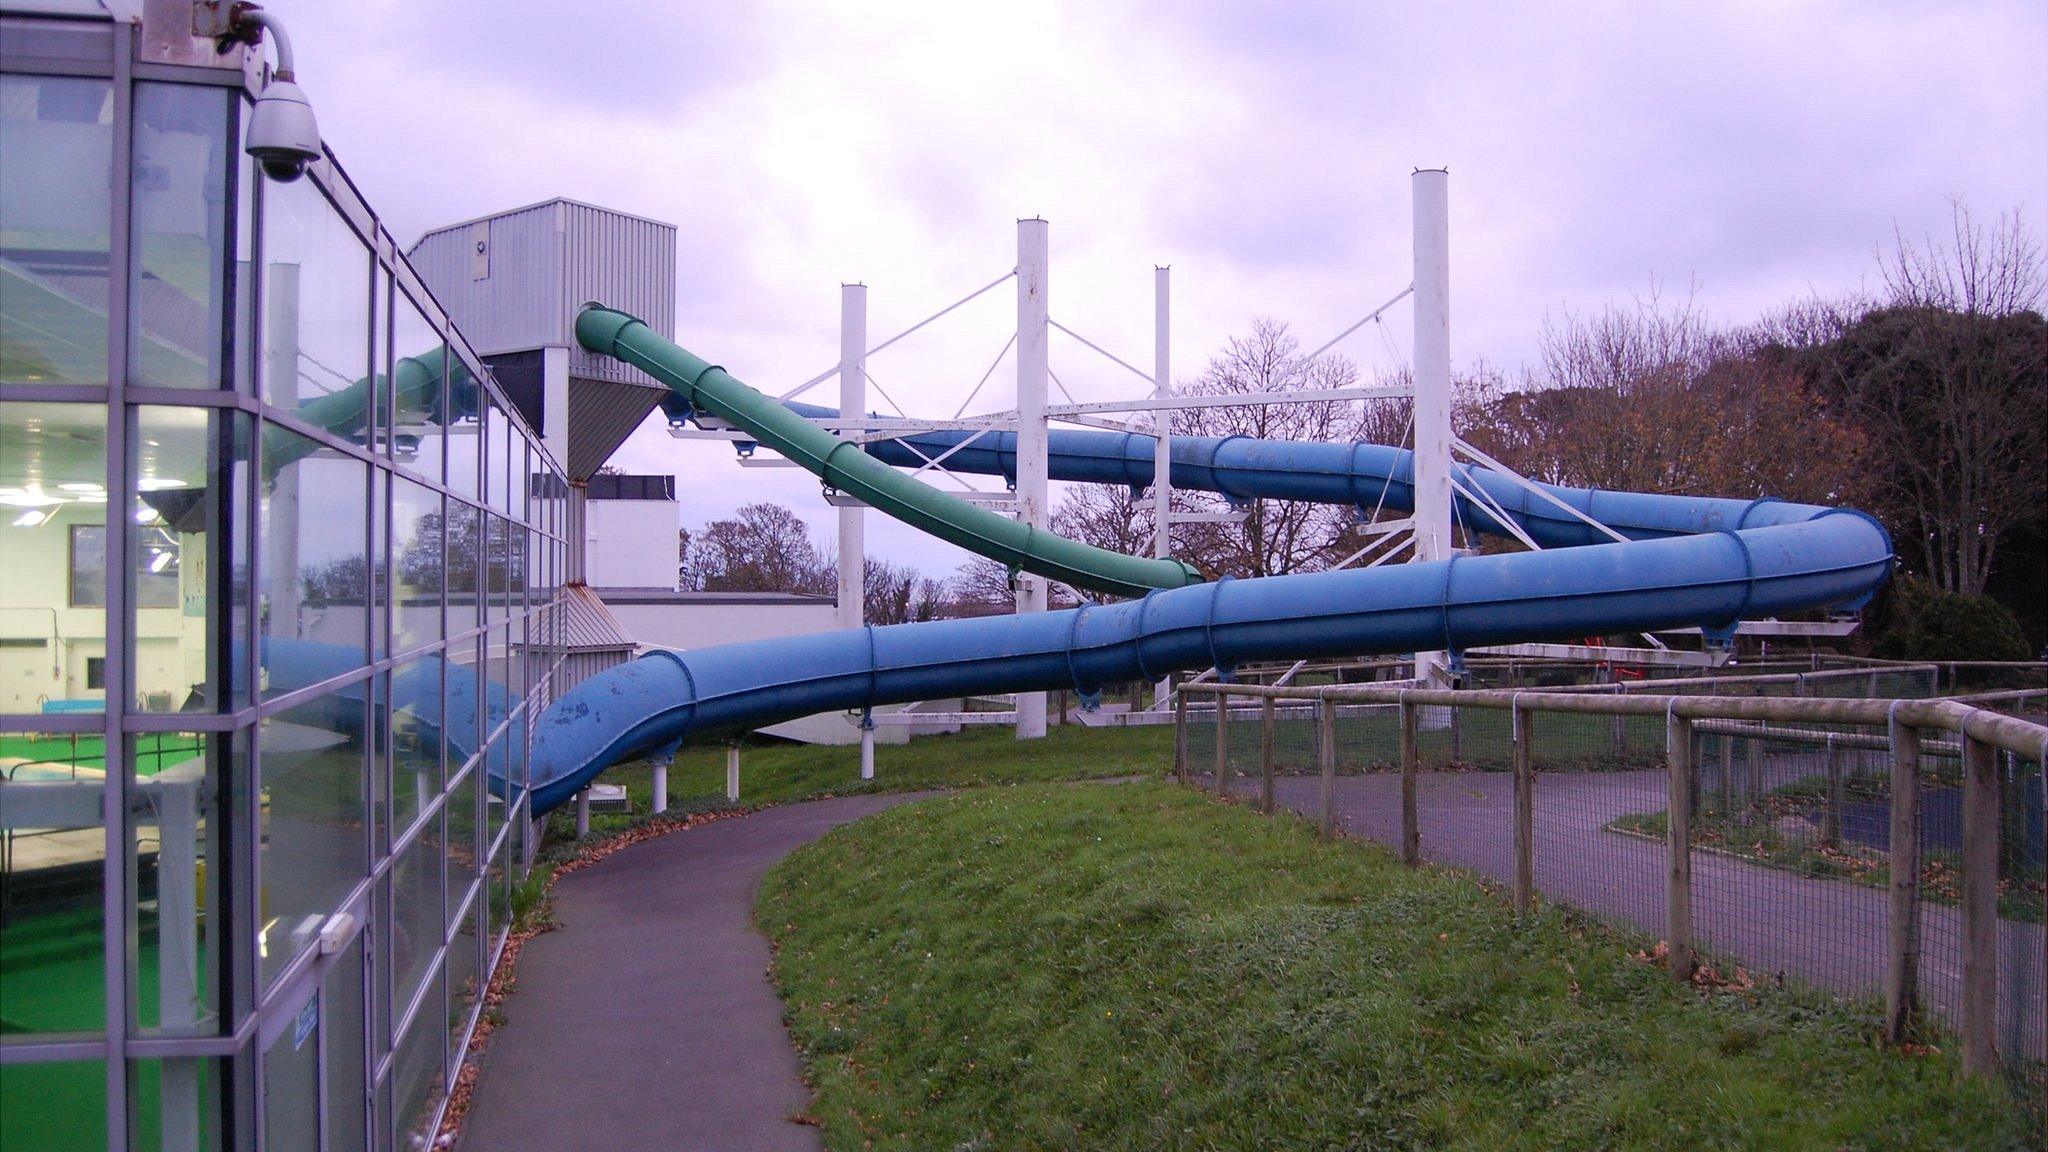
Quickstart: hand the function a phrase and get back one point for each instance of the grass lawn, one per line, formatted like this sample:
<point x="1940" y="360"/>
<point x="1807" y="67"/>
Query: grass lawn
<point x="778" y="772"/>
<point x="1140" y="967"/>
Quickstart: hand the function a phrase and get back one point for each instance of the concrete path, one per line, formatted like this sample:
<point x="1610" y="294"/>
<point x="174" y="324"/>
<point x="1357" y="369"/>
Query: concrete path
<point x="1827" y="933"/>
<point x="647" y="1020"/>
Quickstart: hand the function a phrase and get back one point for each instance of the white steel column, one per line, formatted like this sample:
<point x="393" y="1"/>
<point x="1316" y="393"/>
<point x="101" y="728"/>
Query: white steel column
<point x="1432" y="381"/>
<point x="853" y="401"/>
<point x="1034" y="259"/>
<point x="1162" y="427"/>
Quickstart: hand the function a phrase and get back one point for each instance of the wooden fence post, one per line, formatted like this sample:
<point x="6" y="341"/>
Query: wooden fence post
<point x="1678" y="836"/>
<point x="1411" y="831"/>
<point x="1902" y="960"/>
<point x="1525" y="811"/>
<point x="1267" y="724"/>
<point x="1980" y="907"/>
<point x="1222" y="743"/>
<point x="1326" y="752"/>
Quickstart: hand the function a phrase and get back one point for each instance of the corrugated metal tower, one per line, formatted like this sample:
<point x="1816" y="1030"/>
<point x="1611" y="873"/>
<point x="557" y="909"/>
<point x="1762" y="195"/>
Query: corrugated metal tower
<point x="513" y="282"/>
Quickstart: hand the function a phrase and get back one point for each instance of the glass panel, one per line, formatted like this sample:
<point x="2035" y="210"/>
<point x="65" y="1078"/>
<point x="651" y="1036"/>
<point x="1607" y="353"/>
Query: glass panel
<point x="416" y="1076"/>
<point x="54" y="1107"/>
<point x="465" y="567"/>
<point x="345" y="1063"/>
<point x="53" y="937"/>
<point x="465" y="427"/>
<point x="171" y="1105"/>
<point x="53" y="472"/>
<point x="315" y="848"/>
<point x="248" y="189"/>
<point x="459" y="730"/>
<point x="464" y="849"/>
<point x="465" y="982"/>
<point x="316" y="310"/>
<point x="418" y="371"/>
<point x="191" y="558"/>
<point x="415" y="741"/>
<point x="418" y="924"/>
<point x="184" y="787"/>
<point x="418" y="564"/>
<point x="291" y="1084"/>
<point x="179" y="274"/>
<point x="494" y="454"/>
<point x="55" y="215"/>
<point x="313" y="573"/>
<point x="380" y="563"/>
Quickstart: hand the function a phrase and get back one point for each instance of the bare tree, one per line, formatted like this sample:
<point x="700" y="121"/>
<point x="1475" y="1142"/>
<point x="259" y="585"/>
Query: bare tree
<point x="1277" y="536"/>
<point x="1948" y="376"/>
<point x="899" y="593"/>
<point x="982" y="583"/>
<point x="1650" y="398"/>
<point x="763" y="548"/>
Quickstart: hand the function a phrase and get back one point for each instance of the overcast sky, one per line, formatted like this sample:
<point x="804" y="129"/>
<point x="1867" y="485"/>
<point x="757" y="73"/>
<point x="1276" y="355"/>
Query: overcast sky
<point x="1760" y="151"/>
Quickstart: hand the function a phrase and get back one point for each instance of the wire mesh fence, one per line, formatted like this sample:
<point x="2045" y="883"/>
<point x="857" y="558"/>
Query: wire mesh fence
<point x="1826" y="841"/>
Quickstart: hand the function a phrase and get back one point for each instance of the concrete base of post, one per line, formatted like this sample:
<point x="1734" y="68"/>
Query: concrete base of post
<point x="867" y="752"/>
<point x="660" y="789"/>
<point x="732" y="773"/>
<point x="583" y="814"/>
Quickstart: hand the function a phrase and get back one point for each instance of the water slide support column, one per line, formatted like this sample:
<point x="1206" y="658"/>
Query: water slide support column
<point x="1033" y="335"/>
<point x="1430" y="188"/>
<point x="1162" y="426"/>
<point x="853" y="401"/>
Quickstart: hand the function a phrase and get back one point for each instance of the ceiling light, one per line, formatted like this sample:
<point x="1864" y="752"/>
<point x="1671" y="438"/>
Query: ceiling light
<point x="31" y="519"/>
<point x="28" y="500"/>
<point x="160" y="561"/>
<point x="81" y="487"/>
<point x="145" y="516"/>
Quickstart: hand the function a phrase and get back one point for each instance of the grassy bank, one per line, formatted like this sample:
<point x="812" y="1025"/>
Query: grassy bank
<point x="1138" y="967"/>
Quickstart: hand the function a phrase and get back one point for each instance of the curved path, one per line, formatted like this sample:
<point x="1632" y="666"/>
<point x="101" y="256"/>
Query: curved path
<point x="647" y="1020"/>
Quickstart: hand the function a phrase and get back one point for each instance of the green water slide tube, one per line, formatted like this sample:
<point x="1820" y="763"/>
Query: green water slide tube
<point x="844" y="467"/>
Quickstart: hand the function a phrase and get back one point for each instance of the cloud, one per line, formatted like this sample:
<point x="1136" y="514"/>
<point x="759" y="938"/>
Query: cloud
<point x="1761" y="150"/>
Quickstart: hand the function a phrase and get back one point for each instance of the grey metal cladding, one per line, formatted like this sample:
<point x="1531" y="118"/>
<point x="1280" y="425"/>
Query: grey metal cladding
<point x="542" y="262"/>
<point x="602" y="413"/>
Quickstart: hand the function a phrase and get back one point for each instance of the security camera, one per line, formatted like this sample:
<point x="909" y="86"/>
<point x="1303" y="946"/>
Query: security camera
<point x="282" y="136"/>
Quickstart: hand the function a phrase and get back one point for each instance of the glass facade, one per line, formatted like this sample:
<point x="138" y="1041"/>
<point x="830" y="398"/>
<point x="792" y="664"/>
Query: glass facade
<point x="277" y="569"/>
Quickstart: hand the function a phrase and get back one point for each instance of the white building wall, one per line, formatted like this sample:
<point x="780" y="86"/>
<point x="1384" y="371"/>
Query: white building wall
<point x="685" y="626"/>
<point x="631" y="544"/>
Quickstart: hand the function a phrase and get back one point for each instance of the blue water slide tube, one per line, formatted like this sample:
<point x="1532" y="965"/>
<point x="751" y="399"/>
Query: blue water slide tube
<point x="1363" y="476"/>
<point x="1687" y="561"/>
<point x="1713" y="578"/>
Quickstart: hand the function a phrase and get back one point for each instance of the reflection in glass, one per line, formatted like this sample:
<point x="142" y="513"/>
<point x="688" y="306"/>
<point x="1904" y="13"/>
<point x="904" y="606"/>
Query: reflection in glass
<point x="315" y="848"/>
<point x="418" y="564"/>
<point x="316" y="309"/>
<point x="313" y="573"/>
<point x="417" y="1075"/>
<point x="55" y="216"/>
<point x="415" y="741"/>
<point x="345" y="1065"/>
<point x="190" y="557"/>
<point x="417" y="923"/>
<point x="466" y="433"/>
<point x="53" y="472"/>
<point x="418" y="370"/>
<point x="291" y="1084"/>
<point x="465" y="847"/>
<point x="178" y="278"/>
